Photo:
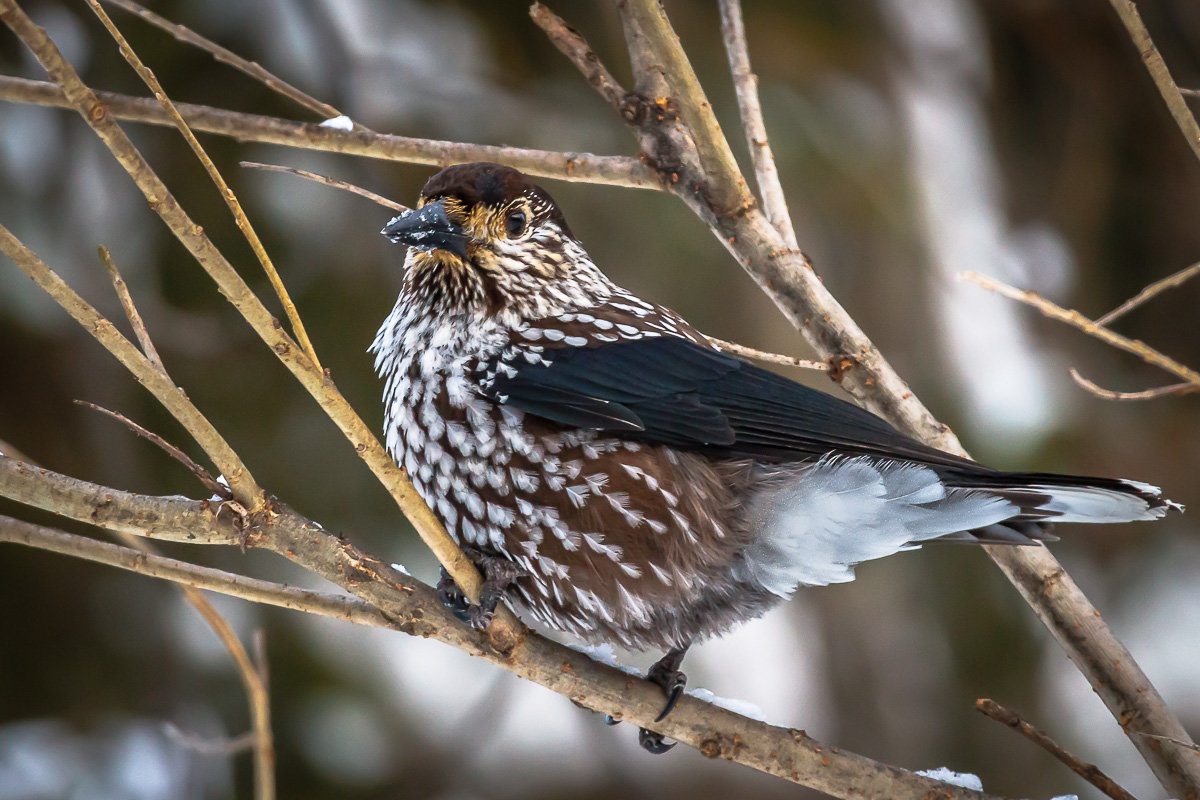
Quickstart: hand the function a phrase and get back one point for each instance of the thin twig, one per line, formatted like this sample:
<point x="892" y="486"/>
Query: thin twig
<point x="745" y="82"/>
<point x="575" y="47"/>
<point x="1188" y="93"/>
<point x="1132" y="20"/>
<point x="131" y="312"/>
<point x="235" y="206"/>
<point x="763" y="355"/>
<point x="226" y="56"/>
<point x="1089" y="772"/>
<point x="583" y="167"/>
<point x="1150" y="291"/>
<point x="1090" y="327"/>
<point x="1147" y="394"/>
<point x="203" y="475"/>
<point x="334" y="182"/>
<point x="208" y="747"/>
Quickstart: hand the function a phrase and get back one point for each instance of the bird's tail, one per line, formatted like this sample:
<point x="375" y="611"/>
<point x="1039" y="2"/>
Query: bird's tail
<point x="1045" y="498"/>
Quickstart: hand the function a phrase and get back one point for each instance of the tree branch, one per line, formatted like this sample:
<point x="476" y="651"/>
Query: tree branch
<point x="1132" y="20"/>
<point x="156" y="382"/>
<point x="1152" y="290"/>
<point x="1089" y="772"/>
<point x="733" y="32"/>
<point x="227" y="56"/>
<point x="586" y="167"/>
<point x="1094" y="329"/>
<point x="399" y="602"/>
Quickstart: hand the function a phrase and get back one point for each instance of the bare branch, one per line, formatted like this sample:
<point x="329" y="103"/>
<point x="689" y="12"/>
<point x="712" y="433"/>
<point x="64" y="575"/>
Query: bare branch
<point x="156" y="381"/>
<point x="260" y="708"/>
<point x="770" y="358"/>
<point x="235" y="206"/>
<point x="1089" y="772"/>
<point x="730" y="195"/>
<point x="409" y="606"/>
<point x="192" y="521"/>
<point x="1077" y="320"/>
<point x="131" y="312"/>
<point x="322" y="604"/>
<point x="1147" y="394"/>
<point x="174" y="452"/>
<point x="1132" y="20"/>
<point x="1169" y="282"/>
<point x="733" y="31"/>
<point x="576" y="48"/>
<point x="334" y="182"/>
<point x="586" y="167"/>
<point x="226" y="56"/>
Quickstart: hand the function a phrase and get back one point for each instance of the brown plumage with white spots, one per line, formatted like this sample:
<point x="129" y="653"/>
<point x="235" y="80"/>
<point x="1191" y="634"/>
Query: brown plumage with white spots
<point x="617" y="477"/>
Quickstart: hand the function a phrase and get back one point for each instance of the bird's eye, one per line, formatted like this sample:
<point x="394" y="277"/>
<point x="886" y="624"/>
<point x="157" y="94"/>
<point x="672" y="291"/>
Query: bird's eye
<point x="514" y="223"/>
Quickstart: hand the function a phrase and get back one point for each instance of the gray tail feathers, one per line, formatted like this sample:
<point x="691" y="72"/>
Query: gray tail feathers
<point x="1044" y="499"/>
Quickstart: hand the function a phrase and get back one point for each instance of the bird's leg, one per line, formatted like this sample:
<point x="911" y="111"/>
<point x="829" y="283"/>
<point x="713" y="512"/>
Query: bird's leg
<point x="666" y="675"/>
<point x="498" y="573"/>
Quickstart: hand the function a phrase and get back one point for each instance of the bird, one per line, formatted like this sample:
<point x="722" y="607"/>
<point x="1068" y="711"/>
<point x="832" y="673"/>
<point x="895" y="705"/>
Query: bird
<point x="616" y="476"/>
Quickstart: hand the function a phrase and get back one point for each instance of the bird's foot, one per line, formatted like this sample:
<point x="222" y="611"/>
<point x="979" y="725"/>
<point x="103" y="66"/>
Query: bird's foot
<point x="666" y="675"/>
<point x="499" y="573"/>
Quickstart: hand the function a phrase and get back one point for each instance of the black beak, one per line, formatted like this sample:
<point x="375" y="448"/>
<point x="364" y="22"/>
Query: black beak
<point x="427" y="228"/>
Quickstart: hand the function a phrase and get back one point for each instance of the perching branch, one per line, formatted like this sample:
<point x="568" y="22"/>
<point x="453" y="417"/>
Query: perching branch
<point x="409" y="606"/>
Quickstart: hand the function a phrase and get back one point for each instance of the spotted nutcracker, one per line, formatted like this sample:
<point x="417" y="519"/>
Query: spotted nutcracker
<point x="616" y="476"/>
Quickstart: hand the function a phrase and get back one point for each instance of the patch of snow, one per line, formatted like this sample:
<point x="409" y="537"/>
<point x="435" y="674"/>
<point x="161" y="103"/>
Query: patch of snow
<point x="605" y="654"/>
<point x="216" y="498"/>
<point x="1066" y="797"/>
<point x="964" y="779"/>
<point x="403" y="570"/>
<point x="743" y="707"/>
<point x="342" y="123"/>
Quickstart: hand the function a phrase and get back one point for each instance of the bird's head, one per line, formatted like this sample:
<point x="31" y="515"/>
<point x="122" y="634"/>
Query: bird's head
<point x="484" y="237"/>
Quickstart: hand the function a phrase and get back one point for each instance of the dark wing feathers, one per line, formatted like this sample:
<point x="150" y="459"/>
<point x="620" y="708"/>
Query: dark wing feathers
<point x="671" y="391"/>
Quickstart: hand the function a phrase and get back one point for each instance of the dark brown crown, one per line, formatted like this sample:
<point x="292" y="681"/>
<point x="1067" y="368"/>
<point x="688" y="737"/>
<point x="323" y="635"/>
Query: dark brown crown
<point x="492" y="185"/>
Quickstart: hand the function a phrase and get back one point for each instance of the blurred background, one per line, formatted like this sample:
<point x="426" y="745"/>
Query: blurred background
<point x="916" y="139"/>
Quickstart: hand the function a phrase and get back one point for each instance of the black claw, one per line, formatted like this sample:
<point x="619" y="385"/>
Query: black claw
<point x="452" y="597"/>
<point x="673" y="695"/>
<point x="665" y="673"/>
<point x="654" y="743"/>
